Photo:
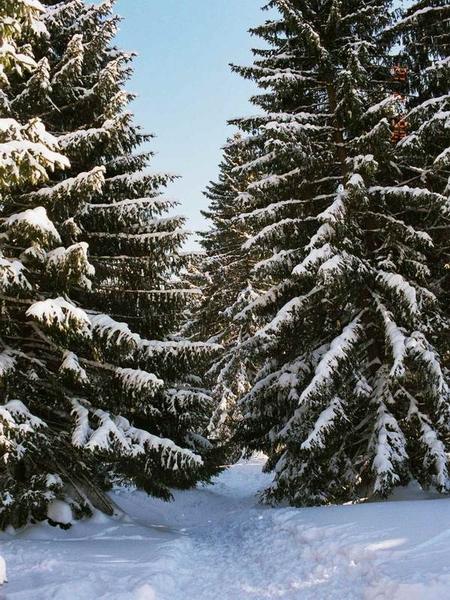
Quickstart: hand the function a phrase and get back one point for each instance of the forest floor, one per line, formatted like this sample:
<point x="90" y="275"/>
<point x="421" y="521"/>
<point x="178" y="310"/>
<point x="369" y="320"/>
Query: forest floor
<point x="218" y="543"/>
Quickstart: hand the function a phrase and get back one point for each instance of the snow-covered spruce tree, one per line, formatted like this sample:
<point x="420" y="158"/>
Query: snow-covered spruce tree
<point x="94" y="386"/>
<point x="424" y="32"/>
<point x="26" y="150"/>
<point x="27" y="153"/>
<point x="351" y="398"/>
<point x="225" y="272"/>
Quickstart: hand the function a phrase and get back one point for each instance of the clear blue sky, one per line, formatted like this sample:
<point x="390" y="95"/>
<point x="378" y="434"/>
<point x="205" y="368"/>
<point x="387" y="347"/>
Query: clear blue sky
<point x="185" y="87"/>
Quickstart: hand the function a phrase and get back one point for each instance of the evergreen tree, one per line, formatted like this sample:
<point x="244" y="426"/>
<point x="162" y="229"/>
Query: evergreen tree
<point x="225" y="275"/>
<point x="96" y="388"/>
<point x="424" y="32"/>
<point x="27" y="151"/>
<point x="351" y="398"/>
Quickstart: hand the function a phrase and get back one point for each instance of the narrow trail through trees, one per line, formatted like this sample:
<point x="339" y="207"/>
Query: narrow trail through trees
<point x="218" y="542"/>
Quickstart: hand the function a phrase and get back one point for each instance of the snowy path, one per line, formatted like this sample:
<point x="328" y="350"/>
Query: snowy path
<point x="216" y="543"/>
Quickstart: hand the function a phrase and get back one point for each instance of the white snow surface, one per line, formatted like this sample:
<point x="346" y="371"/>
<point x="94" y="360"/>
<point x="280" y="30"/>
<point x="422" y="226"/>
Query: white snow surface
<point x="60" y="512"/>
<point x="3" y="577"/>
<point x="217" y="542"/>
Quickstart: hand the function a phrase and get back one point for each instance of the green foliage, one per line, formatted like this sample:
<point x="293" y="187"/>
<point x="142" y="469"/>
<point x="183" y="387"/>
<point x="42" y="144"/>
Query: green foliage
<point x="96" y="386"/>
<point x="224" y="276"/>
<point x="424" y="153"/>
<point x="350" y="387"/>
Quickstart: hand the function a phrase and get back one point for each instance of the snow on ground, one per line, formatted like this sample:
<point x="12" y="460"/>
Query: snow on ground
<point x="217" y="543"/>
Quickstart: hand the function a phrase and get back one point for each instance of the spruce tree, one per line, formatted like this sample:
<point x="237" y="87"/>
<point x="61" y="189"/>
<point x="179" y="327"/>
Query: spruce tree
<point x="97" y="388"/>
<point x="225" y="281"/>
<point x="423" y="34"/>
<point x="27" y="151"/>
<point x="351" y="398"/>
